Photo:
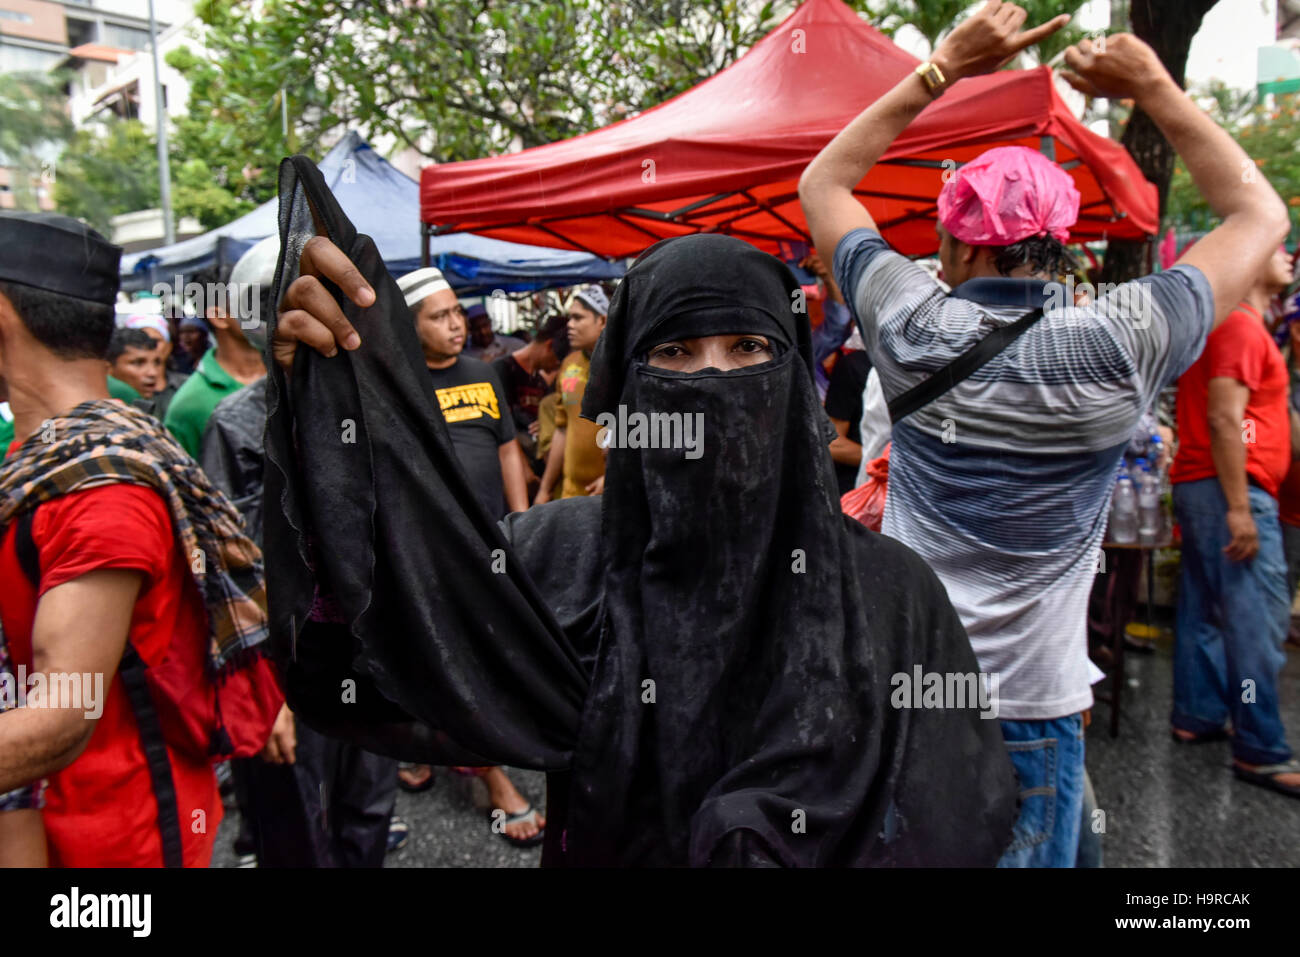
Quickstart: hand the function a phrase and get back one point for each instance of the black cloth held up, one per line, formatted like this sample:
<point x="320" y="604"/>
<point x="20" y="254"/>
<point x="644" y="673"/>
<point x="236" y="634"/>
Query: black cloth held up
<point x="709" y="674"/>
<point x="386" y="571"/>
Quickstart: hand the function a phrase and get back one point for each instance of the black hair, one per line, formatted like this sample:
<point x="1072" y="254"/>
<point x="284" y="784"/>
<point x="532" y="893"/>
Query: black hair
<point x="551" y="326"/>
<point x="1043" y="254"/>
<point x="217" y="278"/>
<point x="123" y="339"/>
<point x="69" y="327"/>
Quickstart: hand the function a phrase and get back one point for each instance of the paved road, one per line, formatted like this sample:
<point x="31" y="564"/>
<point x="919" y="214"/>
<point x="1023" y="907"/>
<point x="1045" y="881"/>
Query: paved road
<point x="1178" y="805"/>
<point x="1167" y="805"/>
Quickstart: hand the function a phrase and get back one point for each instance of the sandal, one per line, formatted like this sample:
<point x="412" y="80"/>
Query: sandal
<point x="524" y="815"/>
<point x="414" y="788"/>
<point x="1266" y="776"/>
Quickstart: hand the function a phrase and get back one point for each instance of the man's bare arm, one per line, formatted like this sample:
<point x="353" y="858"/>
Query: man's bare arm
<point x="514" y="476"/>
<point x="1254" y="217"/>
<point x="1226" y="407"/>
<point x="981" y="44"/>
<point x="554" y="467"/>
<point x="80" y="628"/>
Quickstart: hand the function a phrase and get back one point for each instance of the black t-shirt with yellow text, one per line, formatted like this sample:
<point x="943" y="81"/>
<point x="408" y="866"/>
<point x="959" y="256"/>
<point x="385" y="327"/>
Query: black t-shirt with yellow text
<point x="478" y="417"/>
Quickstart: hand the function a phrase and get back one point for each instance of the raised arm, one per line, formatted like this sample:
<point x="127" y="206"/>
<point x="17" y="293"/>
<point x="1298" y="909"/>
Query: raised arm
<point x="981" y="44"/>
<point x="1254" y="217"/>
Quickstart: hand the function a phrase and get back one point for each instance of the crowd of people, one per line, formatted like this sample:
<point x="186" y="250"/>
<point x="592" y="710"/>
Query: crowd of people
<point x="335" y="540"/>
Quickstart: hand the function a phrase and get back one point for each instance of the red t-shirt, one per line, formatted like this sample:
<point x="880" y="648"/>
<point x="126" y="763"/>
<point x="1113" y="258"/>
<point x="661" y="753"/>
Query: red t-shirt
<point x="1240" y="349"/>
<point x="100" y="810"/>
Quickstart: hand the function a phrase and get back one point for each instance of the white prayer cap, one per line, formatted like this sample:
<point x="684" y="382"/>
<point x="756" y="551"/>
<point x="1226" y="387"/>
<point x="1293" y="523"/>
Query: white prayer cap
<point x="423" y="282"/>
<point x="157" y="323"/>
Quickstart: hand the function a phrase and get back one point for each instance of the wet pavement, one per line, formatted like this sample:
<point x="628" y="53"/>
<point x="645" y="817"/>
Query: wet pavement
<point x="449" y="826"/>
<point x="1166" y="804"/>
<point x="1179" y="805"/>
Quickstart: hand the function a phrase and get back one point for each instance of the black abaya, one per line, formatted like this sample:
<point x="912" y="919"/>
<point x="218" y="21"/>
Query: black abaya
<point x="703" y="655"/>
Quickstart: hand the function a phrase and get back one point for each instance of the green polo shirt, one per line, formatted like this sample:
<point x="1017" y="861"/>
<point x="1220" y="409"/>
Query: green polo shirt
<point x="194" y="401"/>
<point x="118" y="389"/>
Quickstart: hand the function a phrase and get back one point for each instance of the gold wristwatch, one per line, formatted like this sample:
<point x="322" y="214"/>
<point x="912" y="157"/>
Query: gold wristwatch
<point x="933" y="77"/>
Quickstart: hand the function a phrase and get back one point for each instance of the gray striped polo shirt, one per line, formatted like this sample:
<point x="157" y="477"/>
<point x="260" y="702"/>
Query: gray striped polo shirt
<point x="1003" y="483"/>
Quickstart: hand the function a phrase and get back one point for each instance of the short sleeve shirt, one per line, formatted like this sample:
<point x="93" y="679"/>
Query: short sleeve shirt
<point x="478" y="417"/>
<point x="100" y="810"/>
<point x="1001" y="484"/>
<point x="583" y="460"/>
<point x="1240" y="349"/>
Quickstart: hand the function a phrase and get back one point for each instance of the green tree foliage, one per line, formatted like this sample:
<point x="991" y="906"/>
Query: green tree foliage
<point x="112" y="169"/>
<point x="33" y="128"/>
<point x="455" y="79"/>
<point x="934" y="19"/>
<point x="1269" y="133"/>
<point x="108" y="171"/>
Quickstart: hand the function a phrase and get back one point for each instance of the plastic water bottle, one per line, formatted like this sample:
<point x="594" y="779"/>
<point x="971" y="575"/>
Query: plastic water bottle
<point x="1149" y="513"/>
<point x="1157" y="447"/>
<point x="1123" y="511"/>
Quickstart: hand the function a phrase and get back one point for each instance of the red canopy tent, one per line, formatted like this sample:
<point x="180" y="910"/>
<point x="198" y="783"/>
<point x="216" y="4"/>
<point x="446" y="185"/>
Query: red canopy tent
<point x="726" y="155"/>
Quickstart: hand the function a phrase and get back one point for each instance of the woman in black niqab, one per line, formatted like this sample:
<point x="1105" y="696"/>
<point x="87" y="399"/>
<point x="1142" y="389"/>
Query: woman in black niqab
<point x="734" y="637"/>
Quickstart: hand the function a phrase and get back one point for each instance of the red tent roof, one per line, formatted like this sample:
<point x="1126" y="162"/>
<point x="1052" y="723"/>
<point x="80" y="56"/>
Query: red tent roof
<point x="726" y="155"/>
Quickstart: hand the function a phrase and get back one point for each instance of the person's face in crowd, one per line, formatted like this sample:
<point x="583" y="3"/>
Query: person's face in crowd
<point x="549" y="361"/>
<point x="711" y="352"/>
<point x="585" y="326"/>
<point x="1278" y="272"/>
<point x="141" y="369"/>
<point x="194" y="341"/>
<point x="440" y="324"/>
<point x="480" y="330"/>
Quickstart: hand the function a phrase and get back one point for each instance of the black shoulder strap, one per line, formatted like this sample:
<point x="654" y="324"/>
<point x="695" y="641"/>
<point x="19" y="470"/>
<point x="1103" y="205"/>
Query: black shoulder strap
<point x="29" y="560"/>
<point x="961" y="368"/>
<point x="137" y="692"/>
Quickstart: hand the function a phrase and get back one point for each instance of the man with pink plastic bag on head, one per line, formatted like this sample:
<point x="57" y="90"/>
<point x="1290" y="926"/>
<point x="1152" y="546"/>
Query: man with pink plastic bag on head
<point x="1000" y="477"/>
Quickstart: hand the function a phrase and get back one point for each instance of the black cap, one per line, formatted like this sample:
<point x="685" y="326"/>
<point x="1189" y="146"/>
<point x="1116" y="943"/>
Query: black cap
<point x="58" y="254"/>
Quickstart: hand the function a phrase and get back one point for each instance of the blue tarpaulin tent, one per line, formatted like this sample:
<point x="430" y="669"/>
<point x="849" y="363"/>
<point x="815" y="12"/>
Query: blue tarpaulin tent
<point x="385" y="205"/>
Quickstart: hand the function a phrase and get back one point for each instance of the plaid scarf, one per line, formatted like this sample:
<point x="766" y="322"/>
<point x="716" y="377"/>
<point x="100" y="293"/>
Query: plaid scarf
<point x="102" y="442"/>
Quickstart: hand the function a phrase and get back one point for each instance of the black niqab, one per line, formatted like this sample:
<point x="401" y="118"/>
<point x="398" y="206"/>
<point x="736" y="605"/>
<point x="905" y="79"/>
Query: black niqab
<point x="736" y="586"/>
<point x="707" y="648"/>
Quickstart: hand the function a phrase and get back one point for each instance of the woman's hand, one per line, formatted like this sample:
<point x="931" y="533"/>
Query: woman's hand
<point x="309" y="314"/>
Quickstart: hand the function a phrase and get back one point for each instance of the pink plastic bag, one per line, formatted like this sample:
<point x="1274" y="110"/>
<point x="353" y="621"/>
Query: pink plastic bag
<point x="866" y="503"/>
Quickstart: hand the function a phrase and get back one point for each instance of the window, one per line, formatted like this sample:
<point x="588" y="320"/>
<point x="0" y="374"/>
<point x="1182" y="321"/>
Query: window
<point x="125" y="38"/>
<point x="15" y="16"/>
<point x="16" y="59"/>
<point x="80" y="31"/>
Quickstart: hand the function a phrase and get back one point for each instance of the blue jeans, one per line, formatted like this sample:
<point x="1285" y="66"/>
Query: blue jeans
<point x="1048" y="758"/>
<point x="1232" y="621"/>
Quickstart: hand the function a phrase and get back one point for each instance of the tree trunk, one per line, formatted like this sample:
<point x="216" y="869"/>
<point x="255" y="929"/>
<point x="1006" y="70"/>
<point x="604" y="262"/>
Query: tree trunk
<point x="1168" y="26"/>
